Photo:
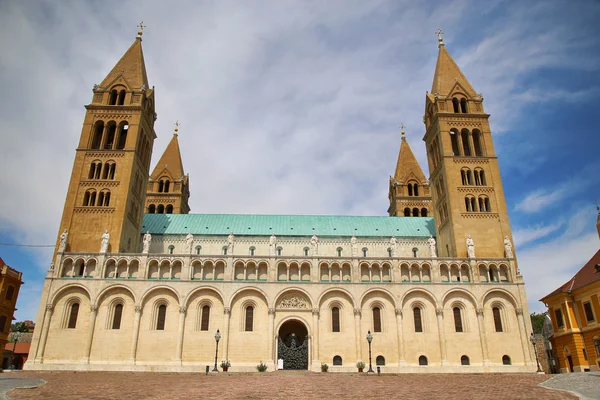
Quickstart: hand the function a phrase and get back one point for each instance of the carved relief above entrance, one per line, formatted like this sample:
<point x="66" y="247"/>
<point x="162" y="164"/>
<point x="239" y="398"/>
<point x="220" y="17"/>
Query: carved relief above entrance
<point x="294" y="301"/>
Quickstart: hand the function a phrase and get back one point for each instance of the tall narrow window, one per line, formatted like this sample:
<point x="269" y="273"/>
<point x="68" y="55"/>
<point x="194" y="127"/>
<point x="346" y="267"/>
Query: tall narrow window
<point x="417" y="318"/>
<point x="252" y="249"/>
<point x="112" y="100"/>
<point x="121" y="100"/>
<point x="306" y="252"/>
<point x="415" y="212"/>
<point x="118" y="313"/>
<point x="97" y="140"/>
<point x="463" y="105"/>
<point x="376" y="319"/>
<point x="161" y="317"/>
<point x="151" y="209"/>
<point x="73" y="316"/>
<point x="111" y="173"/>
<point x="364" y="252"/>
<point x="339" y="251"/>
<point x="110" y="136"/>
<point x="465" y="141"/>
<point x="160" y="209"/>
<point x="455" y="105"/>
<point x="161" y="186"/>
<point x="458" y="327"/>
<point x="249" y="319"/>
<point x="497" y="319"/>
<point x="11" y="291"/>
<point x="169" y="209"/>
<point x="424" y="212"/>
<point x="477" y="143"/>
<point x="415" y="252"/>
<point x="559" y="318"/>
<point x="407" y="212"/>
<point x="416" y="189"/>
<point x="279" y="251"/>
<point x="205" y="318"/>
<point x="122" y="136"/>
<point x="589" y="314"/>
<point x="167" y="184"/>
<point x="335" y="319"/>
<point x="410" y="189"/>
<point x="454" y="140"/>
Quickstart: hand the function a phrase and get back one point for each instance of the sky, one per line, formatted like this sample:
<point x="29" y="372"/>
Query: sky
<point x="291" y="107"/>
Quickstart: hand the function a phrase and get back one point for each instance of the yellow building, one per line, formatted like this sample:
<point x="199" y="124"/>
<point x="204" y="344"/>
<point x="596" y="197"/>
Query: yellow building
<point x="574" y="309"/>
<point x="127" y="292"/>
<point x="10" y="284"/>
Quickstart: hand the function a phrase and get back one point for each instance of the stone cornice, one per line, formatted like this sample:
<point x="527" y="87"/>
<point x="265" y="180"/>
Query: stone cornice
<point x="479" y="215"/>
<point x="94" y="210"/>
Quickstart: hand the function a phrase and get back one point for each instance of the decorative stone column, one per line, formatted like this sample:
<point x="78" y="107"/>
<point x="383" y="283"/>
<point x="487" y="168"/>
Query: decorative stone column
<point x="180" y="333"/>
<point x="271" y="337"/>
<point x="440" y="321"/>
<point x="523" y="336"/>
<point x="316" y="365"/>
<point x="90" y="334"/>
<point x="357" y="315"/>
<point x="44" y="337"/>
<point x="482" y="337"/>
<point x="227" y="314"/>
<point x="401" y="360"/>
<point x="136" y="333"/>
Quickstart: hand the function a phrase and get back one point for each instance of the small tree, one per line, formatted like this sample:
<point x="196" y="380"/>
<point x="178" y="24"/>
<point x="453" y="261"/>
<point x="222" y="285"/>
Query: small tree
<point x="537" y="322"/>
<point x="19" y="327"/>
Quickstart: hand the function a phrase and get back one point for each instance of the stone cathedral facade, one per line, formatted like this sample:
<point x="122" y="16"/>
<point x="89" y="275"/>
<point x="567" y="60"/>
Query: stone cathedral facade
<point x="137" y="283"/>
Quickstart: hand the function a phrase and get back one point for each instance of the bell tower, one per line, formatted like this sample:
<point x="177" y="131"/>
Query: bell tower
<point x="468" y="198"/>
<point x="112" y="160"/>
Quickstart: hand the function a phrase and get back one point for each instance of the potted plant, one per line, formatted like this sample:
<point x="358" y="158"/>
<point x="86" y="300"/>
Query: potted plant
<point x="324" y="367"/>
<point x="225" y="364"/>
<point x="262" y="367"/>
<point x="360" y="365"/>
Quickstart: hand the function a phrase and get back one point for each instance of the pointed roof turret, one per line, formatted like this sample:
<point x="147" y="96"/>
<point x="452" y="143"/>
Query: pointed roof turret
<point x="131" y="67"/>
<point x="171" y="159"/>
<point x="447" y="74"/>
<point x="407" y="166"/>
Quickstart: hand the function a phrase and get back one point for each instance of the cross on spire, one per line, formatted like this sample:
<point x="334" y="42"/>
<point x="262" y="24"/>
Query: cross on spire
<point x="176" y="126"/>
<point x="141" y="30"/>
<point x="597" y="203"/>
<point x="439" y="34"/>
<point x="402" y="129"/>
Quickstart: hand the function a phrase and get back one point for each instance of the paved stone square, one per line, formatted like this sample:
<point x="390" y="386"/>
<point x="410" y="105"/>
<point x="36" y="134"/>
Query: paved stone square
<point x="127" y="385"/>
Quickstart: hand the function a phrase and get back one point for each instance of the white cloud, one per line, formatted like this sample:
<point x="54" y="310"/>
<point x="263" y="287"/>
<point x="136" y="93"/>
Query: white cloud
<point x="540" y="199"/>
<point x="523" y="236"/>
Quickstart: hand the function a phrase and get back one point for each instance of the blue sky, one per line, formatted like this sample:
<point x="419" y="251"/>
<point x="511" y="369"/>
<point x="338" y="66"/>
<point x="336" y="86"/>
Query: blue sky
<point x="297" y="106"/>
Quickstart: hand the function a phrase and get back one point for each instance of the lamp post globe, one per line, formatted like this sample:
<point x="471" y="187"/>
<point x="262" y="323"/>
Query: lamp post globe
<point x="217" y="338"/>
<point x="370" y="339"/>
<point x="537" y="360"/>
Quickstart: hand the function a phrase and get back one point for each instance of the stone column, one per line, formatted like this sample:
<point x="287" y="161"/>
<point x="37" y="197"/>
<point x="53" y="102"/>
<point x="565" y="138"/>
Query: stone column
<point x="90" y="334"/>
<point x="227" y="313"/>
<point x="523" y="336"/>
<point x="357" y="315"/>
<point x="316" y="365"/>
<point x="136" y="333"/>
<point x="401" y="360"/>
<point x="271" y="337"/>
<point x="440" y="321"/>
<point x="44" y="336"/>
<point x="180" y="333"/>
<point x="482" y="337"/>
<point x="185" y="268"/>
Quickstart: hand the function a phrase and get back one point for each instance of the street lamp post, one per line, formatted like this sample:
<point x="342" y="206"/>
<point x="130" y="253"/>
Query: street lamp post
<point x="370" y="339"/>
<point x="537" y="361"/>
<point x="15" y="340"/>
<point x="217" y="338"/>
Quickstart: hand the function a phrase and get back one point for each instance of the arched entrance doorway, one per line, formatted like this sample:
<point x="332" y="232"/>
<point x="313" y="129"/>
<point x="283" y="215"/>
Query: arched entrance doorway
<point x="292" y="346"/>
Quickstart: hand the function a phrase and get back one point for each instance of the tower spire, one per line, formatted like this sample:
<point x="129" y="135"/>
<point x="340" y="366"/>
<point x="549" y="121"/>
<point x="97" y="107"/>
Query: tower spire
<point x="448" y="74"/>
<point x="141" y="27"/>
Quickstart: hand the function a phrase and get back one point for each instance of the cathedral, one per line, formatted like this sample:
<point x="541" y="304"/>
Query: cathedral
<point x="137" y="283"/>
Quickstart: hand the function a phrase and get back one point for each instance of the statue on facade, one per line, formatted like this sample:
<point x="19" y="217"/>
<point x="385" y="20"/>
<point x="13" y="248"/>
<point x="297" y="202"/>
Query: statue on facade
<point x="272" y="244"/>
<point x="189" y="242"/>
<point x="105" y="239"/>
<point x="62" y="245"/>
<point x="354" y="246"/>
<point x="431" y="242"/>
<point x="230" y="243"/>
<point x="51" y="266"/>
<point x="146" y="243"/>
<point x="470" y="247"/>
<point x="314" y="241"/>
<point x="508" y="251"/>
<point x="393" y="245"/>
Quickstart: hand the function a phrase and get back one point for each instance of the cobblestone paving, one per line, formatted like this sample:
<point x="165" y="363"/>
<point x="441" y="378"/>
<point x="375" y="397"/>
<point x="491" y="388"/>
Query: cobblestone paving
<point x="11" y="380"/>
<point x="127" y="385"/>
<point x="585" y="384"/>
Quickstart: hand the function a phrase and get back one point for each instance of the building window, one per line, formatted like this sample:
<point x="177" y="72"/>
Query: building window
<point x="11" y="291"/>
<point x="364" y="252"/>
<point x="376" y="319"/>
<point x="160" y="209"/>
<point x="407" y="212"/>
<point x="464" y="360"/>
<point x="417" y="319"/>
<point x="151" y="209"/>
<point x="171" y="249"/>
<point x="198" y="248"/>
<point x="455" y="105"/>
<point x="458" y="327"/>
<point x="339" y="251"/>
<point x="422" y="360"/>
<point x="2" y="323"/>
<point x="389" y="250"/>
<point x="205" y="318"/>
<point x="249" y="319"/>
<point x="559" y="318"/>
<point x="252" y="249"/>
<point x="506" y="360"/>
<point x="161" y="317"/>
<point x="306" y="252"/>
<point x="497" y="319"/>
<point x="337" y="360"/>
<point x="224" y="250"/>
<point x="463" y="105"/>
<point x="335" y="319"/>
<point x="415" y="252"/>
<point x="73" y="316"/>
<point x="169" y="209"/>
<point x="279" y="251"/>
<point x="589" y="314"/>
<point x="380" y="360"/>
<point x="597" y="346"/>
<point x="117" y="314"/>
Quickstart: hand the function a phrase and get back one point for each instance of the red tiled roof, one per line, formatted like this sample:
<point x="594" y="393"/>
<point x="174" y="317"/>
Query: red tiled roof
<point x="586" y="275"/>
<point x="22" y="348"/>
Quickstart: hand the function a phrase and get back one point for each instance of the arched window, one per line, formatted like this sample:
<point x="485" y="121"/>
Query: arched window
<point x="171" y="249"/>
<point x="486" y="203"/>
<point x="92" y="171"/>
<point x="161" y="186"/>
<point x="111" y="172"/>
<point x="455" y="105"/>
<point x="335" y="319"/>
<point x="249" y="319"/>
<point x="151" y="209"/>
<point x="252" y="250"/>
<point x="205" y="318"/>
<point x="407" y="212"/>
<point x="198" y="248"/>
<point x="121" y="100"/>
<point x="463" y="106"/>
<point x="380" y="360"/>
<point x="410" y="189"/>
<point x="98" y="130"/>
<point x="224" y="249"/>
<point x="415" y="252"/>
<point x="306" y="252"/>
<point x="470" y="204"/>
<point x="279" y="251"/>
<point x="337" y="360"/>
<point x="376" y="319"/>
<point x="458" y="326"/>
<point x="422" y="360"/>
<point x="464" y="360"/>
<point x="477" y="143"/>
<point x="160" y="209"/>
<point x="112" y="100"/>
<point x="117" y="314"/>
<point x="339" y="251"/>
<point x="597" y="346"/>
<point x="415" y="189"/>
<point x="464" y="134"/>
<point x="417" y="319"/>
<point x="169" y="209"/>
<point x="506" y="360"/>
<point x="167" y="184"/>
<point x="423" y="212"/>
<point x="497" y="319"/>
<point x="415" y="212"/>
<point x="365" y="250"/>
<point x="389" y="250"/>
<point x="73" y="316"/>
<point x="122" y="136"/>
<point x="161" y="317"/>
<point x="110" y="136"/>
<point x="454" y="141"/>
<point x="100" y="199"/>
<point x="87" y="198"/>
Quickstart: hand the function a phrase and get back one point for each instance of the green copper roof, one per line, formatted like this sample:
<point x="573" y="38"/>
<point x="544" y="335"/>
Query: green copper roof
<point x="287" y="225"/>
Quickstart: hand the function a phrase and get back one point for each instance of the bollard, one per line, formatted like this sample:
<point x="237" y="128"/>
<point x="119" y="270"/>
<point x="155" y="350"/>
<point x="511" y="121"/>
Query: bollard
<point x="378" y="370"/>
<point x="207" y="369"/>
